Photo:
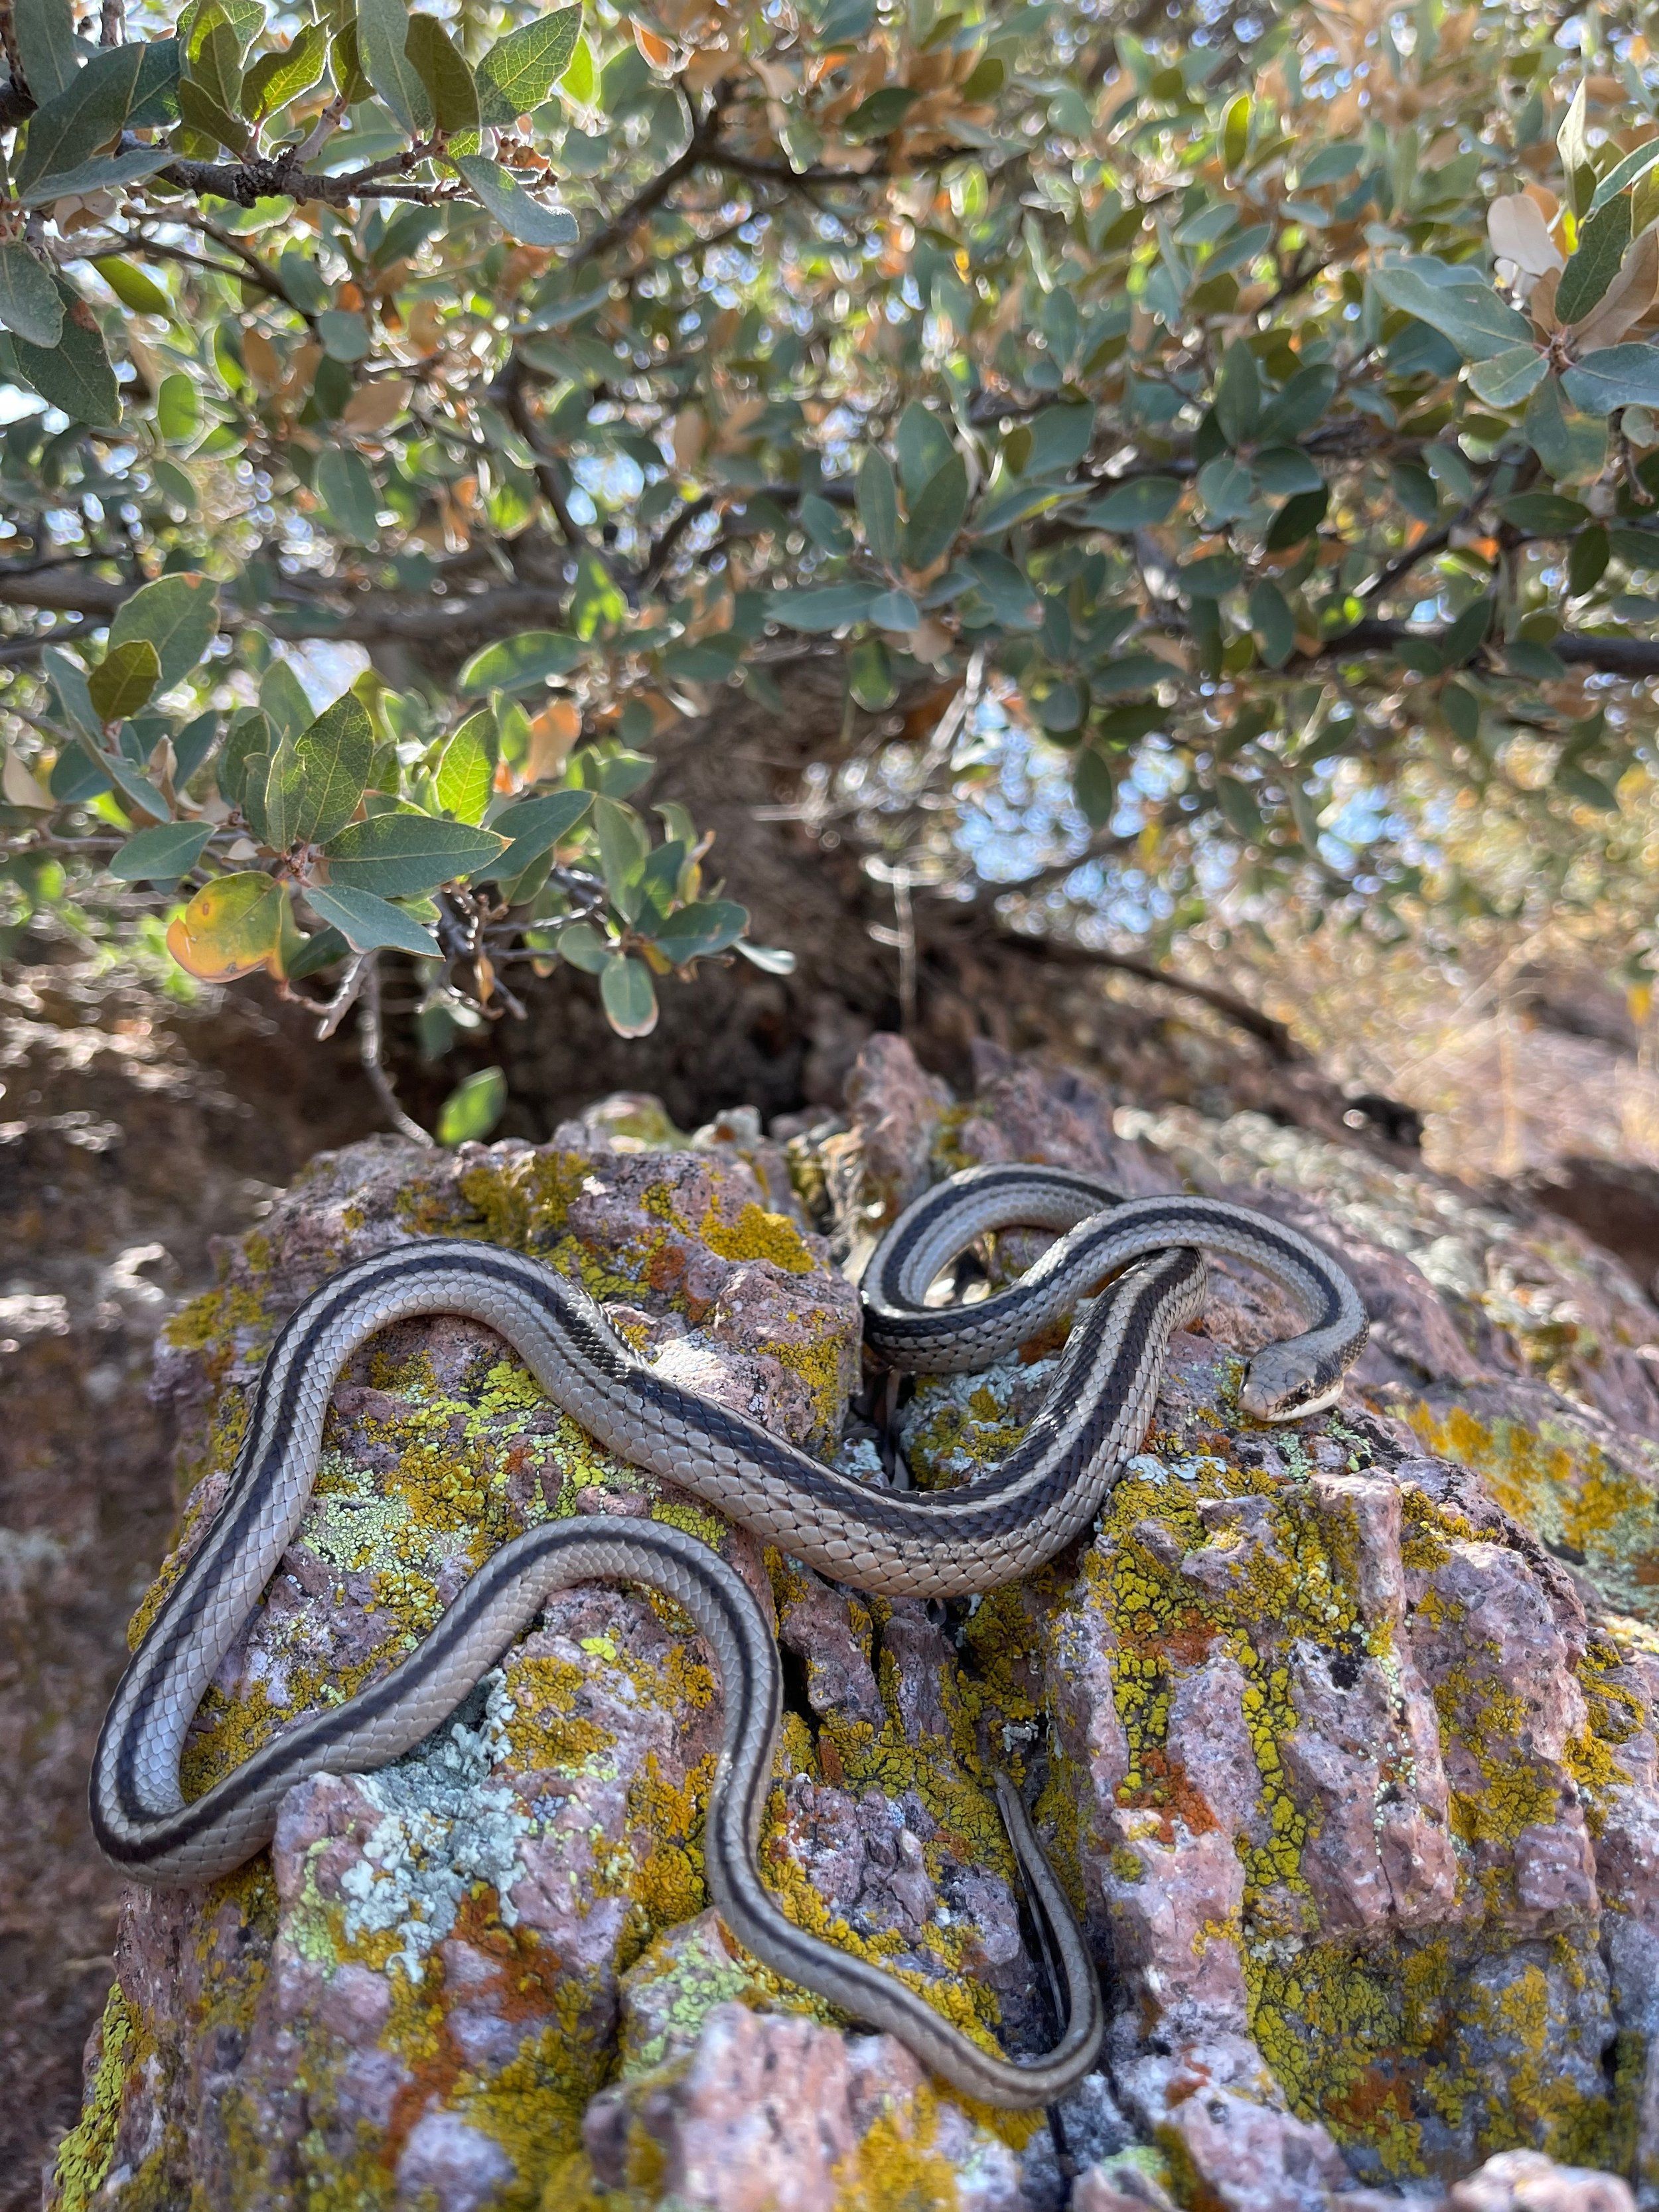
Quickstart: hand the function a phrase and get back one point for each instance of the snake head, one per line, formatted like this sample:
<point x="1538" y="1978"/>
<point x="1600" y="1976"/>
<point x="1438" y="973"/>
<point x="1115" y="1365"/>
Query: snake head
<point x="1285" y="1383"/>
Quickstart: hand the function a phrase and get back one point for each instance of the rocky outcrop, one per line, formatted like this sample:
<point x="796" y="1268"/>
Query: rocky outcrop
<point x="1341" y="1734"/>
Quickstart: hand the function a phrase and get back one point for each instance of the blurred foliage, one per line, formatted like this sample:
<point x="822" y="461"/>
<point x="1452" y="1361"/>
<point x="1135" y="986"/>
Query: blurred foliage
<point x="1230" y="445"/>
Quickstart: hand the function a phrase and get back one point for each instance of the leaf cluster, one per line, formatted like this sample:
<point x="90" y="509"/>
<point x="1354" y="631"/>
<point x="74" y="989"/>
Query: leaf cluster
<point x="1247" y="447"/>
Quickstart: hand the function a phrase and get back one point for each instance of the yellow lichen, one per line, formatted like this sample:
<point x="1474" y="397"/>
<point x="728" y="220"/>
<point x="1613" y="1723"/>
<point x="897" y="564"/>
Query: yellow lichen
<point x="896" y="2167"/>
<point x="756" y="1234"/>
<point x="208" y="1322"/>
<point x="1557" y="1481"/>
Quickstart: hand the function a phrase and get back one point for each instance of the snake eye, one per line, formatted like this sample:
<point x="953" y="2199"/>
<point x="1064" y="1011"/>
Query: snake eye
<point x="1316" y="1402"/>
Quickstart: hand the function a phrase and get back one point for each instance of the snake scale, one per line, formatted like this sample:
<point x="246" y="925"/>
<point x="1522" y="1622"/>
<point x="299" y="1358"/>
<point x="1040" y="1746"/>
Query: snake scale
<point x="990" y="1531"/>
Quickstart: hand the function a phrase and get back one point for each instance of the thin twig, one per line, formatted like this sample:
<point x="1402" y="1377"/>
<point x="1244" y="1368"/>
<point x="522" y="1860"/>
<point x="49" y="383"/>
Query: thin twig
<point x="368" y="1043"/>
<point x="323" y="130"/>
<point x="259" y="271"/>
<point x="704" y="142"/>
<point x="334" y="1011"/>
<point x="509" y="389"/>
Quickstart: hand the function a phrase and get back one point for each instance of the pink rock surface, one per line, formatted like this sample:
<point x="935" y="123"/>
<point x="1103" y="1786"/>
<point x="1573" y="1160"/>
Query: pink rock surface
<point x="1522" y="2181"/>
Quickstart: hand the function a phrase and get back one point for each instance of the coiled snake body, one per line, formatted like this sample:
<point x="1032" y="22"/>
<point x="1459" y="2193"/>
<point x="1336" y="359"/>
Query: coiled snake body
<point x="988" y="1532"/>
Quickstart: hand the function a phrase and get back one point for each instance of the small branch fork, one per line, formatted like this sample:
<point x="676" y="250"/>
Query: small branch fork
<point x="363" y="984"/>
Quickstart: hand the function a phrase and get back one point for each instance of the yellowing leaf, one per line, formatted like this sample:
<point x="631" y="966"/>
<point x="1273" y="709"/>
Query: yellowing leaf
<point x="232" y="926"/>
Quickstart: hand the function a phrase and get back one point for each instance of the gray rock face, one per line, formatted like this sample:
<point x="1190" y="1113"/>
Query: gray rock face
<point x="1340" y="1734"/>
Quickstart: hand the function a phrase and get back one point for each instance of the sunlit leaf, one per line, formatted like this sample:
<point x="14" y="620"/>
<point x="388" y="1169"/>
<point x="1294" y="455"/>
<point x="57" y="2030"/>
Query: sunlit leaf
<point x="473" y="1107"/>
<point x="522" y="663"/>
<point x="466" y="771"/>
<point x="581" y="78"/>
<point x="519" y="70"/>
<point x="332" y="759"/>
<point x="178" y="409"/>
<point x="278" y="77"/>
<point x="133" y="287"/>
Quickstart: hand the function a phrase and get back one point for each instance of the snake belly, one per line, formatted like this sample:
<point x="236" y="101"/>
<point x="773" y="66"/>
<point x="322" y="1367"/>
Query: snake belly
<point x="991" y="1531"/>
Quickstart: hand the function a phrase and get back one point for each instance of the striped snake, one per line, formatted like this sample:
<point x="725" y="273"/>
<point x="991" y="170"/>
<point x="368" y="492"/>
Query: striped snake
<point x="990" y="1531"/>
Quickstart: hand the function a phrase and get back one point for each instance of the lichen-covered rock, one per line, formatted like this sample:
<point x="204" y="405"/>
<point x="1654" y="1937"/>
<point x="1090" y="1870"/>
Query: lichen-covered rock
<point x="1341" y="1733"/>
<point x="771" y="2114"/>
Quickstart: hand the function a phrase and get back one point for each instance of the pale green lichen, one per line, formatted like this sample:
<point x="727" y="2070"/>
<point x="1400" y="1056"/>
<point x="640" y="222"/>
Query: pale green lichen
<point x="674" y="1985"/>
<point x="85" y="2155"/>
